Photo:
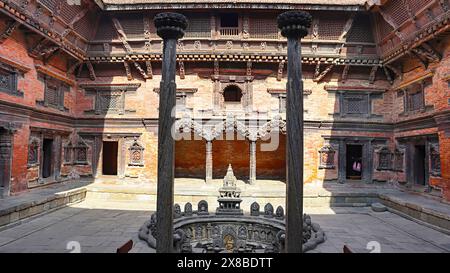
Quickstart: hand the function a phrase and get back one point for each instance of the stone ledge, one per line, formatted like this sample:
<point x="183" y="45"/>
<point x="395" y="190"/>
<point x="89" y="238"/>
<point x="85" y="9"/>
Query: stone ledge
<point x="419" y="212"/>
<point x="26" y="209"/>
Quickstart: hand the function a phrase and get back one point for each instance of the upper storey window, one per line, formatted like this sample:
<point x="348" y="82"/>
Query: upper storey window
<point x="229" y="24"/>
<point x="232" y="94"/>
<point x="54" y="93"/>
<point x="8" y="80"/>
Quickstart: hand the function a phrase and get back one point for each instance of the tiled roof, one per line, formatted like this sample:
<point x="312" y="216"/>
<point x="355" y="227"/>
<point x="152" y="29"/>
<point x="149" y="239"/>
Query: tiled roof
<point x="316" y="2"/>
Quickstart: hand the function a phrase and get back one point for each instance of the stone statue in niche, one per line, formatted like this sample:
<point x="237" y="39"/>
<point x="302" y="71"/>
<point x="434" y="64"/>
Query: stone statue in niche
<point x="279" y="214"/>
<point x="242" y="232"/>
<point x="203" y="208"/>
<point x="268" y="211"/>
<point x="188" y="209"/>
<point x="177" y="211"/>
<point x="254" y="209"/>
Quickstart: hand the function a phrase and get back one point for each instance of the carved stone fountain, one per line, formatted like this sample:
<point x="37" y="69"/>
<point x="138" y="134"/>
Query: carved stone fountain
<point x="229" y="230"/>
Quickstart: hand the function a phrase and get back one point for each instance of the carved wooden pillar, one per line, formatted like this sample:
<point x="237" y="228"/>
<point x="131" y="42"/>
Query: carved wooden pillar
<point x="209" y="161"/>
<point x="294" y="25"/>
<point x="170" y="27"/>
<point x="252" y="176"/>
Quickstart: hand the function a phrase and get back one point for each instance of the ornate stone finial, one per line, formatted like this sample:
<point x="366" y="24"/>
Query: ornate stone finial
<point x="230" y="179"/>
<point x="170" y="25"/>
<point x="294" y="24"/>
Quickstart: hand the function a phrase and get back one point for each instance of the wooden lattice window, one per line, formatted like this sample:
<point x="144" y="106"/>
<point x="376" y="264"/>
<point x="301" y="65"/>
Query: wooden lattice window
<point x="361" y="30"/>
<point x="327" y="155"/>
<point x="8" y="80"/>
<point x="229" y="25"/>
<point x="199" y="27"/>
<point x="136" y="154"/>
<point x="397" y="11"/>
<point x="435" y="160"/>
<point x="81" y="153"/>
<point x="113" y="102"/>
<point x="54" y="93"/>
<point x="355" y="104"/>
<point x="331" y="27"/>
<point x="263" y="28"/>
<point x="33" y="152"/>
<point x="414" y="98"/>
<point x="384" y="159"/>
<point x="68" y="153"/>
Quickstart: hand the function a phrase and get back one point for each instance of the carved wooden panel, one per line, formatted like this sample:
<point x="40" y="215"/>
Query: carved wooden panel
<point x="263" y="27"/>
<point x="199" y="27"/>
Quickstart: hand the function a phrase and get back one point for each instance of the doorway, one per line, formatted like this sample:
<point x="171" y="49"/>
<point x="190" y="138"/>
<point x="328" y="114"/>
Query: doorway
<point x="5" y="162"/>
<point x="47" y="154"/>
<point x="419" y="165"/>
<point x="110" y="156"/>
<point x="354" y="162"/>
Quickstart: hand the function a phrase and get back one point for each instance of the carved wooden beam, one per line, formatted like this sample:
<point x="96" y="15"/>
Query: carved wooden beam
<point x="92" y="75"/>
<point x="324" y="73"/>
<point x="182" y="70"/>
<point x="280" y="70"/>
<point x="128" y="70"/>
<point x="216" y="68"/>
<point x="149" y="69"/>
<point x="388" y="75"/>
<point x="396" y="71"/>
<point x="345" y="73"/>
<point x="35" y="51"/>
<point x="428" y="52"/>
<point x="122" y="35"/>
<point x="71" y="69"/>
<point x="373" y="74"/>
<point x="347" y="27"/>
<point x="317" y="70"/>
<point x="141" y="70"/>
<point x="9" y="31"/>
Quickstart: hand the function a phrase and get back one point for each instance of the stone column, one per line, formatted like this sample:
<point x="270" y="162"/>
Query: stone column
<point x="294" y="25"/>
<point x="170" y="27"/>
<point x="209" y="161"/>
<point x="252" y="177"/>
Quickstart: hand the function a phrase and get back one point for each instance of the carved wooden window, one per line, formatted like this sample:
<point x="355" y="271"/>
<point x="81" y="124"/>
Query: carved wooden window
<point x="263" y="28"/>
<point x="136" y="154"/>
<point x="331" y="27"/>
<point x="133" y="26"/>
<point x="33" y="152"/>
<point x="229" y="24"/>
<point x="68" y="154"/>
<point x="355" y="104"/>
<point x="199" y="27"/>
<point x="8" y="80"/>
<point x="414" y="98"/>
<point x="81" y="153"/>
<point x="384" y="159"/>
<point x="327" y="157"/>
<point x="113" y="102"/>
<point x="54" y="93"/>
<point x="398" y="160"/>
<point x="435" y="160"/>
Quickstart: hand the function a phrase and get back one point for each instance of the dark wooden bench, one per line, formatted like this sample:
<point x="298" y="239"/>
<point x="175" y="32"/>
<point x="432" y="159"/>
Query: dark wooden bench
<point x="126" y="248"/>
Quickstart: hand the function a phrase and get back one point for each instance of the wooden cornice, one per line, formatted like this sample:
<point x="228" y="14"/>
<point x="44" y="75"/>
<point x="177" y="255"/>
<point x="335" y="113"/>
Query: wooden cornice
<point x="55" y="74"/>
<point x="16" y="64"/>
<point x="336" y="88"/>
<point x="416" y="79"/>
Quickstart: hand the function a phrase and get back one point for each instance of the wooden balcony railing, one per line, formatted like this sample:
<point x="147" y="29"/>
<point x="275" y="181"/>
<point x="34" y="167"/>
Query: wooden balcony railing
<point x="229" y="31"/>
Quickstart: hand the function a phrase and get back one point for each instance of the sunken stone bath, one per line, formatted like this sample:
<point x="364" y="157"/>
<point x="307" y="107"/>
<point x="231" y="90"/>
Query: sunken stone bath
<point x="229" y="230"/>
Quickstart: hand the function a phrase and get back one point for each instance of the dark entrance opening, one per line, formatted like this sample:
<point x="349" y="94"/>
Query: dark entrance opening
<point x="5" y="162"/>
<point x="229" y="20"/>
<point x="419" y="165"/>
<point x="232" y="94"/>
<point x="110" y="155"/>
<point x="354" y="162"/>
<point x="47" y="154"/>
